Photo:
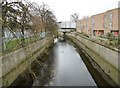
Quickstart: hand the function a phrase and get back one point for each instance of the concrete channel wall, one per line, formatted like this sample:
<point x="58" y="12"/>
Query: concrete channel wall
<point x="14" y="63"/>
<point x="106" y="58"/>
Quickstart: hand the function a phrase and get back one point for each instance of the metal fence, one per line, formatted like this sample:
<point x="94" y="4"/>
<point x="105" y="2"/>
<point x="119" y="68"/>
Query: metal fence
<point x="13" y="40"/>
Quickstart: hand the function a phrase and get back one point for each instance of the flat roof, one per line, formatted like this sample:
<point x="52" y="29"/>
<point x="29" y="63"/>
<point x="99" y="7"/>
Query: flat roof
<point x="100" y="13"/>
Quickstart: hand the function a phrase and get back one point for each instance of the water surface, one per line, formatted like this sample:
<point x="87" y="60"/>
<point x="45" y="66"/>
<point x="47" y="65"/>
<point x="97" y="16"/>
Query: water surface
<point x="69" y="69"/>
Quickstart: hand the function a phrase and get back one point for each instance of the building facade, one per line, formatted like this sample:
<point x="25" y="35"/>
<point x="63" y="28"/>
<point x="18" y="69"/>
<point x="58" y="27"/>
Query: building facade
<point x="100" y="24"/>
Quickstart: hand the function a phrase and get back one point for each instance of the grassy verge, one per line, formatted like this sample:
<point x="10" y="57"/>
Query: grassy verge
<point x="16" y="44"/>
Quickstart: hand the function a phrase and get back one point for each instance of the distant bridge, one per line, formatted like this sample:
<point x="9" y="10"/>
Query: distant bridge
<point x="67" y="26"/>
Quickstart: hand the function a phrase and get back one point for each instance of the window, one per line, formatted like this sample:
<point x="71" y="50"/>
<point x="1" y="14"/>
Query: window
<point x="80" y="26"/>
<point x="110" y="16"/>
<point x="86" y="26"/>
<point x="104" y="25"/>
<point x="110" y="25"/>
<point x="83" y="26"/>
<point x="105" y="18"/>
<point x="86" y="22"/>
<point x="93" y="20"/>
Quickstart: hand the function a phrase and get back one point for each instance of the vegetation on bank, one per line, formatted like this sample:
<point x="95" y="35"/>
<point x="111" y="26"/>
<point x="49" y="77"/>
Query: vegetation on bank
<point x="25" y="22"/>
<point x="109" y="40"/>
<point x="13" y="45"/>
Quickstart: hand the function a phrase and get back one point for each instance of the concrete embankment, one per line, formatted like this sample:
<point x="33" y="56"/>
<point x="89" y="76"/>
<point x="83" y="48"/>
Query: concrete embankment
<point x="14" y="63"/>
<point x="105" y="57"/>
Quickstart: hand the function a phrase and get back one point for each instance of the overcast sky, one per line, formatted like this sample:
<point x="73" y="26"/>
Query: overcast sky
<point x="64" y="8"/>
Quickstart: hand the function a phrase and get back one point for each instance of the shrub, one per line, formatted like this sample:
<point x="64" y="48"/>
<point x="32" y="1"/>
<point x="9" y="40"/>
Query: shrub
<point x="110" y="36"/>
<point x="119" y="39"/>
<point x="119" y="47"/>
<point x="112" y="43"/>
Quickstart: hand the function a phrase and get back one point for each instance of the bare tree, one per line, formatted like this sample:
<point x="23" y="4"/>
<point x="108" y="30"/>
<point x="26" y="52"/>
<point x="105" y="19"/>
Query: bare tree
<point x="17" y="17"/>
<point x="74" y="17"/>
<point x="45" y="15"/>
<point x="28" y="16"/>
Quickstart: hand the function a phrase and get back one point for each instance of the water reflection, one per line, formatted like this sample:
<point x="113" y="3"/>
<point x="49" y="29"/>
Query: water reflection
<point x="68" y="67"/>
<point x="71" y="71"/>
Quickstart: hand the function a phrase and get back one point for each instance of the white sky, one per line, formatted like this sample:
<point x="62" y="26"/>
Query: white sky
<point x="63" y="9"/>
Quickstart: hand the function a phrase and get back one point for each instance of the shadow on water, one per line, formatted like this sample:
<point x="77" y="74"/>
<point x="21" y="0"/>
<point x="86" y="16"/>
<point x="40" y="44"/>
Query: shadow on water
<point x="53" y="72"/>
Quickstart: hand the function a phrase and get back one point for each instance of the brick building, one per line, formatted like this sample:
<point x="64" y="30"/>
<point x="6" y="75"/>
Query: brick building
<point x="100" y="24"/>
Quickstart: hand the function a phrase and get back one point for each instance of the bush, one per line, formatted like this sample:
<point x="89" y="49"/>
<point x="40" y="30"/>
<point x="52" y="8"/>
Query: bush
<point x="119" y="47"/>
<point x="102" y="36"/>
<point x="110" y="36"/>
<point x="119" y="39"/>
<point x="112" y="43"/>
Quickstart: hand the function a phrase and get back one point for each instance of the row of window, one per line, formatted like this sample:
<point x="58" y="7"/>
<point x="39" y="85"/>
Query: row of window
<point x="110" y="25"/>
<point x="110" y="17"/>
<point x="104" y="24"/>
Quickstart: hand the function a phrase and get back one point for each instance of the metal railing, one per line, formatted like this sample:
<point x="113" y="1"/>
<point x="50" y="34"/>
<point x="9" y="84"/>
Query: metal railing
<point x="13" y="43"/>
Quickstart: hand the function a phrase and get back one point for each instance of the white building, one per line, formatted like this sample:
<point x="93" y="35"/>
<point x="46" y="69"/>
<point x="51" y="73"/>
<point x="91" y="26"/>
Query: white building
<point x="67" y="26"/>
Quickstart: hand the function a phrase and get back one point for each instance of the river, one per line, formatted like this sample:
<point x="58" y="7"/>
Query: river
<point x="68" y="69"/>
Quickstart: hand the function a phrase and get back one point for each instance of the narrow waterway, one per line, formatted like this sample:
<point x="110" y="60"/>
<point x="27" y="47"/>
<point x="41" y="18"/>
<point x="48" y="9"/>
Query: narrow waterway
<point x="68" y="69"/>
